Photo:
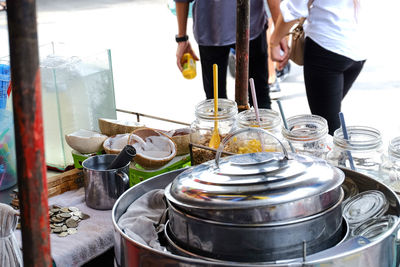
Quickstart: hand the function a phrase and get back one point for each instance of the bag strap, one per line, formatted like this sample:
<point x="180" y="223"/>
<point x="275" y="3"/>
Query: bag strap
<point x="303" y="19"/>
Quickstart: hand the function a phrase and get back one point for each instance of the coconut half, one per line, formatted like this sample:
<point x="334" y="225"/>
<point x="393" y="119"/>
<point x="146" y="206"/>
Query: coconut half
<point x="181" y="137"/>
<point x="153" y="148"/>
<point x="115" y="143"/>
<point x="112" y="127"/>
<point x="85" y="141"/>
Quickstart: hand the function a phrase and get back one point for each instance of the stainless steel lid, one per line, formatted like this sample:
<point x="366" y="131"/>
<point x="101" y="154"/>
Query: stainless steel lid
<point x="277" y="188"/>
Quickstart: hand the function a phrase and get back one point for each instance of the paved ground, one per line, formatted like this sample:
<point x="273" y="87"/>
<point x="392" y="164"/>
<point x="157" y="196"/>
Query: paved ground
<point x="140" y="34"/>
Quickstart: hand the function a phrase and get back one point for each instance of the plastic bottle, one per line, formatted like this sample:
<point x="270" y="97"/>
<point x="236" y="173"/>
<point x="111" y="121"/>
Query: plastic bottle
<point x="189" y="66"/>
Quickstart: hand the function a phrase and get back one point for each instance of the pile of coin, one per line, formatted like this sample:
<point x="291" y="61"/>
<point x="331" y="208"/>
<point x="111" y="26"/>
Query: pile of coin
<point x="64" y="220"/>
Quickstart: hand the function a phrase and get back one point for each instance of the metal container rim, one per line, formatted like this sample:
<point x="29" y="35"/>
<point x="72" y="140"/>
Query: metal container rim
<point x="269" y="224"/>
<point x="186" y="259"/>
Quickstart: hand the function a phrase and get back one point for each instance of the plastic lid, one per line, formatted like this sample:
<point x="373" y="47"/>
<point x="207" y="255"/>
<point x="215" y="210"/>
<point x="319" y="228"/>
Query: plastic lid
<point x="366" y="205"/>
<point x="373" y="228"/>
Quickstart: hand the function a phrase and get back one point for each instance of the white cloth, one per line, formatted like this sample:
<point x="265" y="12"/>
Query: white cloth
<point x="145" y="218"/>
<point x="335" y="25"/>
<point x="10" y="253"/>
<point x="94" y="236"/>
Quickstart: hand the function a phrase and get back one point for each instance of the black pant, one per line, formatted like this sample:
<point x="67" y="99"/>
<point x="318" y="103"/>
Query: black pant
<point x="258" y="69"/>
<point x="328" y="77"/>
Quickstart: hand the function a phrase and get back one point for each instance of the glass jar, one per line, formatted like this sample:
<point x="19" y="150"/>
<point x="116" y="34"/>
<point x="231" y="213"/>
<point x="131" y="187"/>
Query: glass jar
<point x="252" y="142"/>
<point x="308" y="135"/>
<point x="202" y="127"/>
<point x="374" y="228"/>
<point x="390" y="169"/>
<point x="364" y="206"/>
<point x="364" y="147"/>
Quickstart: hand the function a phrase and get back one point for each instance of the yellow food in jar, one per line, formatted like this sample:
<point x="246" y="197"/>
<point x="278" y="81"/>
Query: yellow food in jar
<point x="254" y="146"/>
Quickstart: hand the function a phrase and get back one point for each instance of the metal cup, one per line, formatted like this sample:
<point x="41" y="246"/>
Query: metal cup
<point x="103" y="187"/>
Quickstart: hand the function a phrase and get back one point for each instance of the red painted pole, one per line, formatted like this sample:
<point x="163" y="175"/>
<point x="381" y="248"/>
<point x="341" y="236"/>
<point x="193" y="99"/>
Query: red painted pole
<point x="28" y="121"/>
<point x="242" y="53"/>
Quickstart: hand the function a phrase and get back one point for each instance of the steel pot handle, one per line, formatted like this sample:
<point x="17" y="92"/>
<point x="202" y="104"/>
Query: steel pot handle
<point x="122" y="184"/>
<point x="251" y="129"/>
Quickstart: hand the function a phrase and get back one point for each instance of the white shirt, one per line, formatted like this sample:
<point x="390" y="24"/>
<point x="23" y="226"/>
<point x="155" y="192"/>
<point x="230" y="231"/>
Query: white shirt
<point x="333" y="24"/>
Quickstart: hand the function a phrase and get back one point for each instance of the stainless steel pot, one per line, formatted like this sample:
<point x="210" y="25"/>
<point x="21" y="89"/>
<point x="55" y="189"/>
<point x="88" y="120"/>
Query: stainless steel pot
<point x="178" y="250"/>
<point x="257" y="207"/>
<point x="256" y="242"/>
<point x="350" y="253"/>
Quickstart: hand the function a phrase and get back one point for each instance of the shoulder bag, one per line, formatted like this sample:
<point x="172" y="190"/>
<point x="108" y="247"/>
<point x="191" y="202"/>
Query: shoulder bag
<point x="298" y="39"/>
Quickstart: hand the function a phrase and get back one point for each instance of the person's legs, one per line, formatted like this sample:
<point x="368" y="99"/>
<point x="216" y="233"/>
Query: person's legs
<point x="325" y="79"/>
<point x="210" y="55"/>
<point x="351" y="74"/>
<point x="258" y="70"/>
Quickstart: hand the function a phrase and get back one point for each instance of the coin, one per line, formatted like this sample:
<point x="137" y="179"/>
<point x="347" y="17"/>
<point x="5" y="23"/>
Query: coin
<point x="58" y="216"/>
<point x="54" y="210"/>
<point x="57" y="220"/>
<point x="77" y="213"/>
<point x="73" y="209"/>
<point x="72" y="231"/>
<point x="65" y="215"/>
<point x="75" y="218"/>
<point x="63" y="234"/>
<point x="64" y="209"/>
<point x="71" y="223"/>
<point x="57" y="230"/>
<point x="84" y="216"/>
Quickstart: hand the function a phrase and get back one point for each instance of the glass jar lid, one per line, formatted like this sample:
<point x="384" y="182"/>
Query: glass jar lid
<point x="374" y="228"/>
<point x="366" y="205"/>
<point x="305" y="128"/>
<point x="359" y="138"/>
<point x="299" y="186"/>
<point x="227" y="109"/>
<point x="269" y="119"/>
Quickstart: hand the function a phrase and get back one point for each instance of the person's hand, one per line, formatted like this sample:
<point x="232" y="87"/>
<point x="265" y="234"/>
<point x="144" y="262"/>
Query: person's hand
<point x="278" y="49"/>
<point x="284" y="47"/>
<point x="184" y="47"/>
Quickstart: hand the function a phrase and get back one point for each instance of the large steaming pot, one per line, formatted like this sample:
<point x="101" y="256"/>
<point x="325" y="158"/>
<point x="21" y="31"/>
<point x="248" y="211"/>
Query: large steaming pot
<point x="257" y="207"/>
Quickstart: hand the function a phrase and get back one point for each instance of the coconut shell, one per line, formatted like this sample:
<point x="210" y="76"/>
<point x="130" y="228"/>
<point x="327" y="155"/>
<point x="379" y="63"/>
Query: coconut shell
<point x="85" y="141"/>
<point x="151" y="162"/>
<point x="181" y="137"/>
<point x="109" y="144"/>
<point x="112" y="127"/>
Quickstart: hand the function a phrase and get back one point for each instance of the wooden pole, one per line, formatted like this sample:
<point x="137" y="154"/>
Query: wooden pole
<point x="28" y="121"/>
<point x="242" y="54"/>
